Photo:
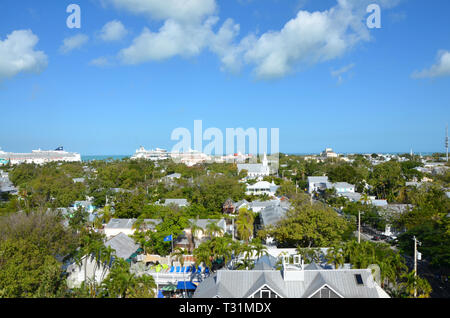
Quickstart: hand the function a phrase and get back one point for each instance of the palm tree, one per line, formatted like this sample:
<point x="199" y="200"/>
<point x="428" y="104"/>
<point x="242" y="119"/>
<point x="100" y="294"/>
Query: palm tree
<point x="247" y="249"/>
<point x="108" y="255"/>
<point x="336" y="256"/>
<point x="409" y="283"/>
<point x="244" y="224"/>
<point x="203" y="254"/>
<point x="365" y="199"/>
<point x="236" y="249"/>
<point x="222" y="249"/>
<point x="179" y="254"/>
<point x="195" y="230"/>
<point x="259" y="249"/>
<point x="414" y="283"/>
<point x="213" y="229"/>
<point x="138" y="225"/>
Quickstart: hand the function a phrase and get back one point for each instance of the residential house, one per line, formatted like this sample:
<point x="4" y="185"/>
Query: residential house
<point x="85" y="205"/>
<point x="126" y="226"/>
<point x="261" y="188"/>
<point x="292" y="281"/>
<point x="319" y="183"/>
<point x="343" y="187"/>
<point x="117" y="226"/>
<point x="89" y="269"/>
<point x="6" y="186"/>
<point x="181" y="203"/>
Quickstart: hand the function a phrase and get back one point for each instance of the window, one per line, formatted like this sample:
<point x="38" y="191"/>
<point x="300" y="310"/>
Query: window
<point x="359" y="279"/>
<point x="265" y="293"/>
<point x="325" y="292"/>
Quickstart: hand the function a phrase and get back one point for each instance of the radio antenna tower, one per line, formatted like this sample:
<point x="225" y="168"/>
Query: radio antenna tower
<point x="446" y="140"/>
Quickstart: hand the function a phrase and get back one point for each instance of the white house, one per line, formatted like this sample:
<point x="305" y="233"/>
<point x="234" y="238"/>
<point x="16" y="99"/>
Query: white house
<point x="261" y="188"/>
<point x="344" y="187"/>
<point x="318" y="183"/>
<point x="117" y="226"/>
<point x="294" y="280"/>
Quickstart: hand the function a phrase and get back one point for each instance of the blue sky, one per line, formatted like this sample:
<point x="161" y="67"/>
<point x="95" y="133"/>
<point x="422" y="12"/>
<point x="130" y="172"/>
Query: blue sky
<point x="310" y="68"/>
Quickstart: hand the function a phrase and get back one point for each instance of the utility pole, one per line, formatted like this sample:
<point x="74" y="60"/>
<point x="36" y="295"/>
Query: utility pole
<point x="415" y="263"/>
<point x="359" y="226"/>
<point x="232" y="225"/>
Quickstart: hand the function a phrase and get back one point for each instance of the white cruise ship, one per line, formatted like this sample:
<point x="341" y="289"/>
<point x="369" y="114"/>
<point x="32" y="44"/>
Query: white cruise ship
<point x="39" y="156"/>
<point x="154" y="155"/>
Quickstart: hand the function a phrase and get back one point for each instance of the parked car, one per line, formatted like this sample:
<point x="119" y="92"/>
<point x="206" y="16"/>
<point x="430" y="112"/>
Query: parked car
<point x="383" y="237"/>
<point x="392" y="241"/>
<point x="376" y="238"/>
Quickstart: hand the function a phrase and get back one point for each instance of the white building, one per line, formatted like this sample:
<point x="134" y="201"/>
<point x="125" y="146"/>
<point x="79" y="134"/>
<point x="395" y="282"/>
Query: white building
<point x="328" y="153"/>
<point x="190" y="158"/>
<point x="261" y="188"/>
<point x="322" y="183"/>
<point x="343" y="187"/>
<point x="295" y="279"/>
<point x="256" y="170"/>
<point x="318" y="183"/>
<point x="153" y="155"/>
<point x="117" y="226"/>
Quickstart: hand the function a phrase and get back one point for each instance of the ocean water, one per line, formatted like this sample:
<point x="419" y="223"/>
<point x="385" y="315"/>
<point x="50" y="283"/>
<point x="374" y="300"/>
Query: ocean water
<point x="103" y="157"/>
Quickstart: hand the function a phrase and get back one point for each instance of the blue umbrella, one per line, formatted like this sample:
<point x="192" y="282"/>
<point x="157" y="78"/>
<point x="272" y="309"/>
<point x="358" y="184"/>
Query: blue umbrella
<point x="160" y="294"/>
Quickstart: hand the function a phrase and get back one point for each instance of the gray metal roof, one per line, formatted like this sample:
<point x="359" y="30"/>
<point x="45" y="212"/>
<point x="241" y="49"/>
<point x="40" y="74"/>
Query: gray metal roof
<point x="240" y="203"/>
<point x="272" y="214"/>
<point x="343" y="185"/>
<point x="321" y="179"/>
<point x="179" y="202"/>
<point x="123" y="245"/>
<point x="351" y="196"/>
<point x="241" y="284"/>
<point x="151" y="223"/>
<point x="173" y="175"/>
<point x="204" y="222"/>
<point x="120" y="224"/>
<point x="263" y="204"/>
<point x="266" y="262"/>
<point x="252" y="167"/>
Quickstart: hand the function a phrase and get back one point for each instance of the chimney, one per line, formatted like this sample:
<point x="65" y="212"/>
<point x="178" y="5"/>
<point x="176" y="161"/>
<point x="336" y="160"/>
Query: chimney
<point x="293" y="272"/>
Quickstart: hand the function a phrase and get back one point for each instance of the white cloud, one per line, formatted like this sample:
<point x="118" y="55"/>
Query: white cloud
<point x="17" y="54"/>
<point x="187" y="10"/>
<point x="100" y="62"/>
<point x="309" y="38"/>
<point x="113" y="31"/>
<point x="74" y="42"/>
<point x="172" y="39"/>
<point x="340" y="72"/>
<point x="440" y="69"/>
